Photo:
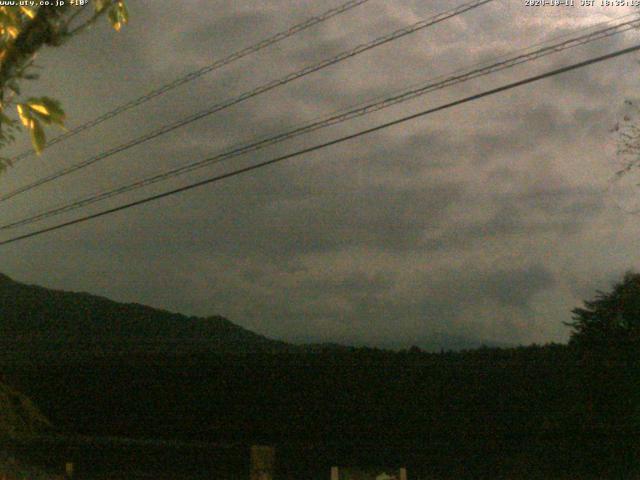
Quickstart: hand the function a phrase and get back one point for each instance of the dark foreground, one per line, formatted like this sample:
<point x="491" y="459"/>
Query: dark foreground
<point x="100" y="458"/>
<point x="529" y="413"/>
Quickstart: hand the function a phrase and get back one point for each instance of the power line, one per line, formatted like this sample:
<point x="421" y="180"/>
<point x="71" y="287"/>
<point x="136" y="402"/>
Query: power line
<point x="508" y="62"/>
<point x="250" y="94"/>
<point x="386" y="102"/>
<point x="345" y="138"/>
<point x="310" y="22"/>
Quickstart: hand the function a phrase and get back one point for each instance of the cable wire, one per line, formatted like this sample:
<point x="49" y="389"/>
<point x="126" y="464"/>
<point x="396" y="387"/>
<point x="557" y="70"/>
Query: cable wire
<point x="310" y="22"/>
<point x="509" y="62"/>
<point x="320" y="146"/>
<point x="250" y="94"/>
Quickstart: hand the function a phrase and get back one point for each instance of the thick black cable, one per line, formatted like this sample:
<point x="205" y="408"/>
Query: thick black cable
<point x="314" y="148"/>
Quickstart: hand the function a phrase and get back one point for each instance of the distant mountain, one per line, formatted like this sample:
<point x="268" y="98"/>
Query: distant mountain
<point x="441" y="341"/>
<point x="37" y="322"/>
<point x="433" y="343"/>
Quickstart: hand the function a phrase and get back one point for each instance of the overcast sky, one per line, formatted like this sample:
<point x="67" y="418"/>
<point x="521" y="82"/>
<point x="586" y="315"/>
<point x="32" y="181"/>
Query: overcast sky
<point x="489" y="221"/>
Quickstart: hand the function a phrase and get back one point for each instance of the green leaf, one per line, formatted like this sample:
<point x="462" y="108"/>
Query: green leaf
<point x="118" y="15"/>
<point x="25" y="114"/>
<point x="38" y="138"/>
<point x="113" y="18"/>
<point x="55" y="110"/>
<point x="28" y="12"/>
<point x="123" y="12"/>
<point x="100" y="5"/>
<point x="47" y="109"/>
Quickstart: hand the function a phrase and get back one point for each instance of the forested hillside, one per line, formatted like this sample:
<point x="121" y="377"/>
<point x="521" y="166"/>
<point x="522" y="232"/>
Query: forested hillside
<point x="50" y="325"/>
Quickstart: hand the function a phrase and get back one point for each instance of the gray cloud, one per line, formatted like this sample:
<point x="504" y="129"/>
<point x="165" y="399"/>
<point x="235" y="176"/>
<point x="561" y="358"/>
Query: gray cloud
<point x="489" y="221"/>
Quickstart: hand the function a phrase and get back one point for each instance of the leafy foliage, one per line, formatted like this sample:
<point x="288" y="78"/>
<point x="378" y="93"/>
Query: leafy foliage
<point x="611" y="319"/>
<point x="23" y="32"/>
<point x="624" y="181"/>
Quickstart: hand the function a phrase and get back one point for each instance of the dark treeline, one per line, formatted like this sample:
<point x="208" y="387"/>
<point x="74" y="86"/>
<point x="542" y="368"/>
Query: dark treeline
<point x="564" y="406"/>
<point x="99" y="368"/>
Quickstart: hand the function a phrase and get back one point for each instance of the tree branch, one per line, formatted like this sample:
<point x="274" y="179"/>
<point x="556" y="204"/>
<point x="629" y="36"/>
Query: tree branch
<point x="39" y="31"/>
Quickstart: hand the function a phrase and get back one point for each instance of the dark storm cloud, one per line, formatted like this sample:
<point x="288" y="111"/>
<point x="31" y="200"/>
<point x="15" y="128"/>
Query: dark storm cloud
<point x="516" y="287"/>
<point x="513" y="288"/>
<point x="485" y="222"/>
<point x="279" y="218"/>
